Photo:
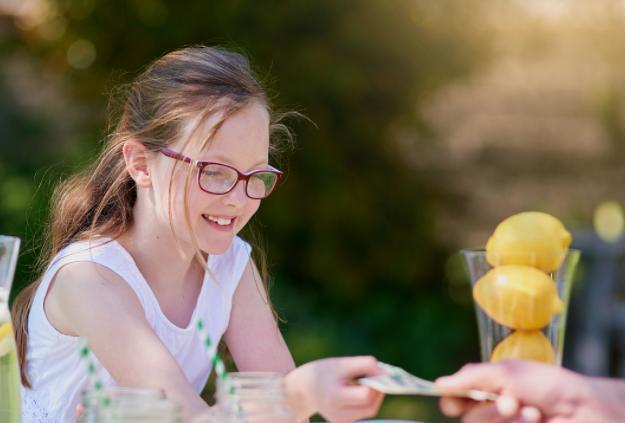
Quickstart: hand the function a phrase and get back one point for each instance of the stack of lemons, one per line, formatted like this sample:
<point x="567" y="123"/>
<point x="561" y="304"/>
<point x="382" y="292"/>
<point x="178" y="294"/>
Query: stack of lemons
<point x="518" y="292"/>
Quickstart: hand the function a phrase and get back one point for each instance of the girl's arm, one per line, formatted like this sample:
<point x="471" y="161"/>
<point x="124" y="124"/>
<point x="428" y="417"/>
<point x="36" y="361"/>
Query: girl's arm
<point x="253" y="337"/>
<point x="92" y="301"/>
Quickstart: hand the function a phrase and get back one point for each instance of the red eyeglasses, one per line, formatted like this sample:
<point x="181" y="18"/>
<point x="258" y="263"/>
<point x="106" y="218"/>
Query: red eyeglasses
<point x="219" y="178"/>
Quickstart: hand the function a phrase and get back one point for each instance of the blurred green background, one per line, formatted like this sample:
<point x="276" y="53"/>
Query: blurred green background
<point x="433" y="120"/>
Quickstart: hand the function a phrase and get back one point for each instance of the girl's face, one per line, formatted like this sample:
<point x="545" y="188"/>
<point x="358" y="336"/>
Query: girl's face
<point x="243" y="143"/>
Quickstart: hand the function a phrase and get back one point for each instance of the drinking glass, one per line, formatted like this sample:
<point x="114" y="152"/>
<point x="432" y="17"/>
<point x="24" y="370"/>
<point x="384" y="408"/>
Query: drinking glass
<point x="492" y="332"/>
<point x="10" y="399"/>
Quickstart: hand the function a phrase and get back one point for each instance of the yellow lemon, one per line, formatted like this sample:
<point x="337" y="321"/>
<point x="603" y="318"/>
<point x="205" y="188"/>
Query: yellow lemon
<point x="6" y="338"/>
<point x="520" y="297"/>
<point x="530" y="238"/>
<point x="523" y="345"/>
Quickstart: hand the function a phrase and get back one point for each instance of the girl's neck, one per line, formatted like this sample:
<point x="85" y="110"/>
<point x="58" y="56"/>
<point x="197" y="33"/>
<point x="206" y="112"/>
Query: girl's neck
<point x="164" y="262"/>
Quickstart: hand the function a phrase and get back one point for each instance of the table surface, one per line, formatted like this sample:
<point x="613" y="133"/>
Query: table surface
<point x="386" y="421"/>
<point x="389" y="421"/>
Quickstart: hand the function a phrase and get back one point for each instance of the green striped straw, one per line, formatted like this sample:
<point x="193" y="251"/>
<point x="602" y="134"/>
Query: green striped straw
<point x="211" y="349"/>
<point x="94" y="381"/>
<point x="218" y="364"/>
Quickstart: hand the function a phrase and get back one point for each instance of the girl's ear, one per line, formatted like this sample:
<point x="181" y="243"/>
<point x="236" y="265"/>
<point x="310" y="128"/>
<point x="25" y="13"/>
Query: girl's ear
<point x="136" y="158"/>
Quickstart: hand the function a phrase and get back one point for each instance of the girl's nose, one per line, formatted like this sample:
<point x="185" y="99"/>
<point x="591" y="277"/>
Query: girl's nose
<point x="237" y="197"/>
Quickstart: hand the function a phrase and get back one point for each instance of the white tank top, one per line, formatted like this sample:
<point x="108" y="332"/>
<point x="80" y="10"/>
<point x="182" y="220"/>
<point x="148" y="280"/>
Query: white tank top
<point x="54" y="365"/>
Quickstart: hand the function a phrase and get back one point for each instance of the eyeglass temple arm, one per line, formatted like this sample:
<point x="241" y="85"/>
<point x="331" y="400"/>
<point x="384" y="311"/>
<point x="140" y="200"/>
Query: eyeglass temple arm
<point x="177" y="156"/>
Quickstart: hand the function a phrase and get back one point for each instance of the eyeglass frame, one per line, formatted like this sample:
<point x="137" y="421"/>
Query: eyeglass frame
<point x="241" y="176"/>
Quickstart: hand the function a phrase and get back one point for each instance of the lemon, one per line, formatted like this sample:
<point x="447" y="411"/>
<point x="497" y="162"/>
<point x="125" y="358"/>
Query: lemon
<point x="6" y="338"/>
<point x="530" y="238"/>
<point x="520" y="297"/>
<point x="522" y="345"/>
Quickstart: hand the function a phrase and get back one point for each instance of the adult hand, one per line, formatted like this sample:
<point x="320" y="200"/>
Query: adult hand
<point x="532" y="392"/>
<point x="327" y="387"/>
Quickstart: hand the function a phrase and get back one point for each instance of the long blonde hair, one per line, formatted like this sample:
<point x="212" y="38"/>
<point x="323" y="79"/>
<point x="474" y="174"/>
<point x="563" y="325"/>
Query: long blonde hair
<point x="185" y="84"/>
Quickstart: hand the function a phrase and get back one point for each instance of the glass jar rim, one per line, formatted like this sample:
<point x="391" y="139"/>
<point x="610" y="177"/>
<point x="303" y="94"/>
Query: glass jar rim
<point x="128" y="391"/>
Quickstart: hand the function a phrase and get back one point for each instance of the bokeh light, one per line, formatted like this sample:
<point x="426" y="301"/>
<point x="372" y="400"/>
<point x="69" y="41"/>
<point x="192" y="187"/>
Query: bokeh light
<point x="81" y="54"/>
<point x="609" y="221"/>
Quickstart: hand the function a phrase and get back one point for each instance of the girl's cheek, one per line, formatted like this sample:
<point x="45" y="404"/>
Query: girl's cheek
<point x="253" y="209"/>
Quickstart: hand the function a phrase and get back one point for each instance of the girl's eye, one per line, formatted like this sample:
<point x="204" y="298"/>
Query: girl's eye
<point x="215" y="172"/>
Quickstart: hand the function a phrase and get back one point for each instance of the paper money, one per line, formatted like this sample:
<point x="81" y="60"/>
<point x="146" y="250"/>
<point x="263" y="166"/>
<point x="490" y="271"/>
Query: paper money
<point x="397" y="381"/>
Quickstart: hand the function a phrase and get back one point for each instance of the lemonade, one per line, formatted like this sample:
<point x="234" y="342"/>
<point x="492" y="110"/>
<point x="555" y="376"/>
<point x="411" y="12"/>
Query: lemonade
<point x="9" y="372"/>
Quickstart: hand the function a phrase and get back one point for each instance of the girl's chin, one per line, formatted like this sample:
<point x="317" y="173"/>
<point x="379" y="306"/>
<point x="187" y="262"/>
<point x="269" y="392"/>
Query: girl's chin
<point x="215" y="247"/>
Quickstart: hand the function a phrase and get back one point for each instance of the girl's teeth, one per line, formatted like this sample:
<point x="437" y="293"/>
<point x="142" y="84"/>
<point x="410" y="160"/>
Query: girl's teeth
<point x="220" y="220"/>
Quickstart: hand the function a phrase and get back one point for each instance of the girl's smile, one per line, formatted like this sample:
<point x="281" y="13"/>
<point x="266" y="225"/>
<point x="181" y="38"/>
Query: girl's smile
<point x="220" y="223"/>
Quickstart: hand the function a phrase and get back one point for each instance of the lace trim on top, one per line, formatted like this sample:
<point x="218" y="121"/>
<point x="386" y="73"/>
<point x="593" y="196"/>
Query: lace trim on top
<point x="32" y="412"/>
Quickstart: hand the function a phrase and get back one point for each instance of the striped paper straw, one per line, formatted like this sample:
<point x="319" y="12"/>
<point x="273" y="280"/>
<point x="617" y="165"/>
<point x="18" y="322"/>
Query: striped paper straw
<point x="94" y="381"/>
<point x="218" y="364"/>
<point x="211" y="349"/>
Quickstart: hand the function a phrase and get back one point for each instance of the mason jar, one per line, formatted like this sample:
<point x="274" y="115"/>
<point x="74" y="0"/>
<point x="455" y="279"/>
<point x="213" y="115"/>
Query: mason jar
<point x="141" y="411"/>
<point x="125" y="404"/>
<point x="250" y="397"/>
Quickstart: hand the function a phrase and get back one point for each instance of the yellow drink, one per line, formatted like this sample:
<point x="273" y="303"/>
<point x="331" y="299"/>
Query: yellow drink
<point x="10" y="398"/>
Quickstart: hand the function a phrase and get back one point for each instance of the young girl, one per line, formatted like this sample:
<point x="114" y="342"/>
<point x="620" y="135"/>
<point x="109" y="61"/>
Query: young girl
<point x="144" y="244"/>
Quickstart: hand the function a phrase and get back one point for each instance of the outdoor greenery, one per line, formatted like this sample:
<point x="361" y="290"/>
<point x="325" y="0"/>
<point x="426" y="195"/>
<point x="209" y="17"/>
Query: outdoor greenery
<point x="380" y="189"/>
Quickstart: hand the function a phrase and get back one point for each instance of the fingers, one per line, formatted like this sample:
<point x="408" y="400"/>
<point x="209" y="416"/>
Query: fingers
<point x="357" y="396"/>
<point x="369" y="409"/>
<point x="507" y="378"/>
<point x="507" y="405"/>
<point x="79" y="410"/>
<point x="472" y="376"/>
<point x="355" y="413"/>
<point x="484" y="413"/>
<point x="377" y="402"/>
<point x="360" y="366"/>
<point x="505" y="409"/>
<point x="354" y="403"/>
<point x="531" y="414"/>
<point x="454" y="407"/>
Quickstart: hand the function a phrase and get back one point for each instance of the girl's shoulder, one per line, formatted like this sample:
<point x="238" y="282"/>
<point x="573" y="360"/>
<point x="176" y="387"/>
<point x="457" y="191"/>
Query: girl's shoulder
<point x="83" y="250"/>
<point x="84" y="269"/>
<point x="78" y="286"/>
<point x="87" y="264"/>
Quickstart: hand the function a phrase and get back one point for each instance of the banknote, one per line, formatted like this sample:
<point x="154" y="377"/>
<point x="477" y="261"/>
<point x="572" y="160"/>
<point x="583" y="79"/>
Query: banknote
<point x="397" y="381"/>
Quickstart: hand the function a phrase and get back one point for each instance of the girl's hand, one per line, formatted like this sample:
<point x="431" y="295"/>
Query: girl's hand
<point x="327" y="387"/>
